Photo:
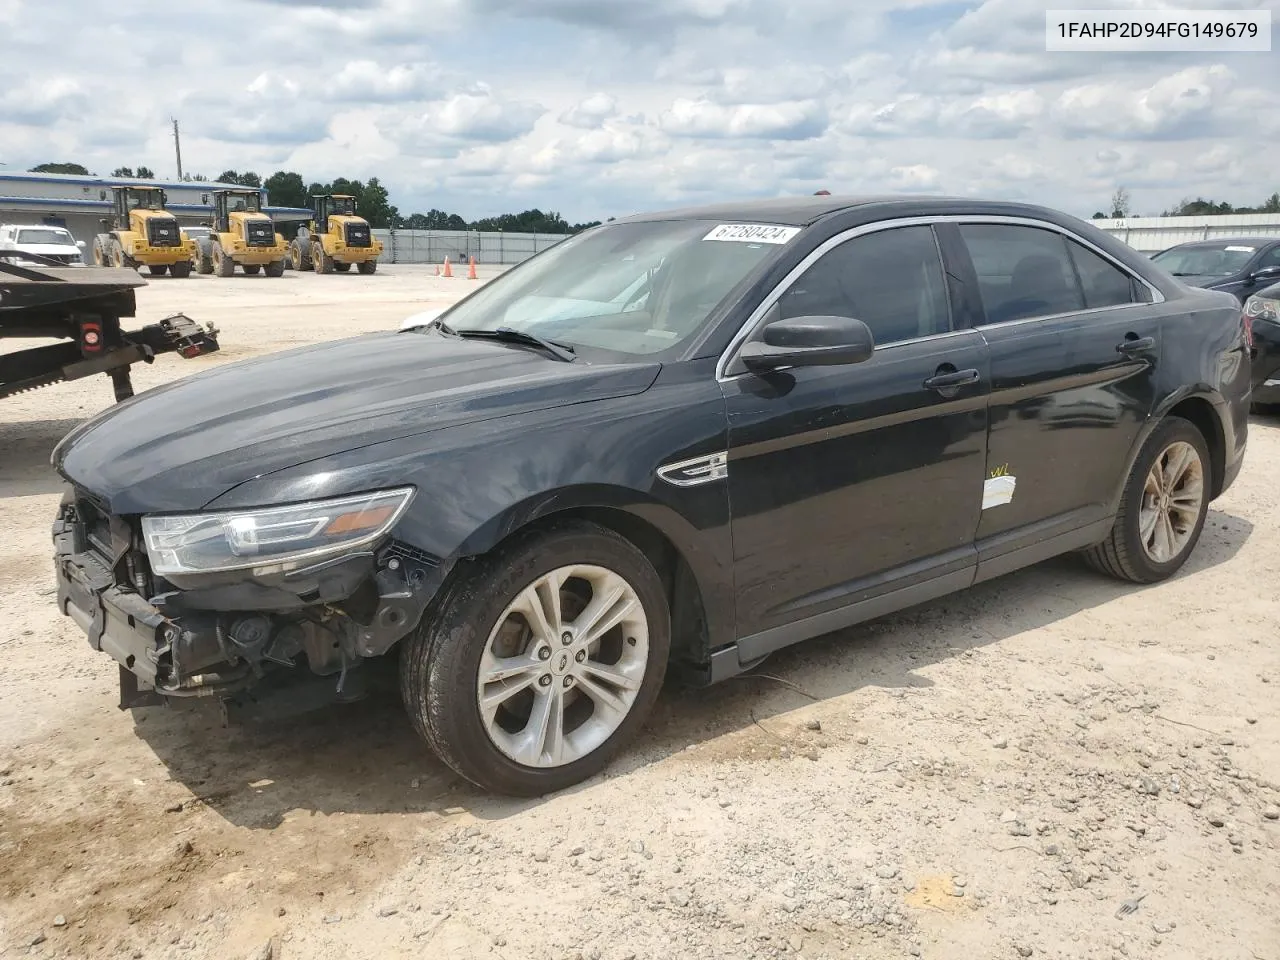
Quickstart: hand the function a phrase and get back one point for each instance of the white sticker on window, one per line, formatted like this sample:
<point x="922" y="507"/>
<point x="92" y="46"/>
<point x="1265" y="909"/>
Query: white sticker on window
<point x="1242" y="249"/>
<point x="752" y="233"/>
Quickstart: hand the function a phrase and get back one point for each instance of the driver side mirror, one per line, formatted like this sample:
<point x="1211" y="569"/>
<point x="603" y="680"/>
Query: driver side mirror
<point x="809" y="342"/>
<point x="1266" y="273"/>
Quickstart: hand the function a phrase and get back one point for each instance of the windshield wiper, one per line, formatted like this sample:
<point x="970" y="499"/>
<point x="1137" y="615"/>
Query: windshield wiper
<point x="561" y="351"/>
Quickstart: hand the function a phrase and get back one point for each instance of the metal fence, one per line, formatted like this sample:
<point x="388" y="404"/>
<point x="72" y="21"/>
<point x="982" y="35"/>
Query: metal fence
<point x="432" y="246"/>
<point x="1153" y="234"/>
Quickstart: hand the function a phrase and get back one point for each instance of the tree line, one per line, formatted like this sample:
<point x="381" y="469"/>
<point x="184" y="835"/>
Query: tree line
<point x="285" y="188"/>
<point x="1121" y="207"/>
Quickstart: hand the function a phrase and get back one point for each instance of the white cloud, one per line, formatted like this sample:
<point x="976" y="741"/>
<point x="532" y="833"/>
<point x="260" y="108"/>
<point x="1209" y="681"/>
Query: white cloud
<point x="916" y="177"/>
<point x="795" y="120"/>
<point x="591" y="112"/>
<point x="482" y="116"/>
<point x="1182" y="104"/>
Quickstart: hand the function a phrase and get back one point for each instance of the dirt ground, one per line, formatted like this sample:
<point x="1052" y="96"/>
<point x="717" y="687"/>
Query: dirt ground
<point x="991" y="775"/>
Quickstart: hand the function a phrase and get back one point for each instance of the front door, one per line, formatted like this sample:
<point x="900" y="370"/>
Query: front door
<point x="850" y="482"/>
<point x="1074" y="342"/>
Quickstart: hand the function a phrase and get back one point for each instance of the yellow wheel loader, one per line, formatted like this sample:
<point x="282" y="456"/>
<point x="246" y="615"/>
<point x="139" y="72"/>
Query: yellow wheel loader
<point x="243" y="236"/>
<point x="141" y="232"/>
<point x="335" y="238"/>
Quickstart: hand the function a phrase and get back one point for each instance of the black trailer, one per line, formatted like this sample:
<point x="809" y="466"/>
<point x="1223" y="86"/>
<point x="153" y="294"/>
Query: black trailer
<point x="83" y="307"/>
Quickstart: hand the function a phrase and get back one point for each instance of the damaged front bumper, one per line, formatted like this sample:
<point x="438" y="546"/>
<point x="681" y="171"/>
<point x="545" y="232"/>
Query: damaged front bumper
<point x="219" y="636"/>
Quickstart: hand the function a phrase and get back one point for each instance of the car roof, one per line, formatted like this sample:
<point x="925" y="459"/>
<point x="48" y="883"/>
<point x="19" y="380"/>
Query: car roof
<point x="1226" y="241"/>
<point x="790" y="211"/>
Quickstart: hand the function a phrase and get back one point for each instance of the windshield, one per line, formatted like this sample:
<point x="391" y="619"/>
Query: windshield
<point x="46" y="235"/>
<point x="238" y="203"/>
<point x="1206" y="261"/>
<point x="145" y="199"/>
<point x="635" y="289"/>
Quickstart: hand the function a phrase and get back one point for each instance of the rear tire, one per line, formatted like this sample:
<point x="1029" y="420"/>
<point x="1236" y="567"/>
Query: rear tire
<point x="367" y="267"/>
<point x="321" y="261"/>
<point x="596" y="688"/>
<point x="181" y="270"/>
<point x="300" y="254"/>
<point x="159" y="269"/>
<point x="274" y="269"/>
<point x="223" y="265"/>
<point x="1162" y="509"/>
<point x="252" y="269"/>
<point x="342" y="267"/>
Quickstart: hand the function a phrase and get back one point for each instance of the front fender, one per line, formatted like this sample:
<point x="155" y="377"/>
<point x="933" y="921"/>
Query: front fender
<point x="480" y="482"/>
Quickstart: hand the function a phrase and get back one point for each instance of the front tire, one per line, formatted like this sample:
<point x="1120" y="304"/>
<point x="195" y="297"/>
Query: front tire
<point x="367" y="266"/>
<point x="181" y="270"/>
<point x="274" y="269"/>
<point x="223" y="265"/>
<point x="1162" y="509"/>
<point x="540" y="661"/>
<point x="252" y="269"/>
<point x="158" y="269"/>
<point x="342" y="267"/>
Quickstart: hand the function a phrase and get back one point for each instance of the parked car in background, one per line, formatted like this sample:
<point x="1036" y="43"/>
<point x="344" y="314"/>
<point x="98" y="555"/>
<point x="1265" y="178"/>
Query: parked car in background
<point x="1262" y="314"/>
<point x="47" y="243"/>
<point x="679" y="441"/>
<point x="1237" y="266"/>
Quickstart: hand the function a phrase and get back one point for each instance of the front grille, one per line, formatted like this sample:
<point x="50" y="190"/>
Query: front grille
<point x="358" y="235"/>
<point x="259" y="233"/>
<point x="163" y="232"/>
<point x="97" y="526"/>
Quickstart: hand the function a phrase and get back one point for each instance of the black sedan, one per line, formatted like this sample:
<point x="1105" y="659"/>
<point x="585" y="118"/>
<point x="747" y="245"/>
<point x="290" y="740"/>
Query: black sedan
<point x="1238" y="267"/>
<point x="676" y="442"/>
<point x="1262" y="314"/>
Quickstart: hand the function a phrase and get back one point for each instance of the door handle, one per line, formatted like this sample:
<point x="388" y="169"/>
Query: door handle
<point x="952" y="379"/>
<point x="1135" y="344"/>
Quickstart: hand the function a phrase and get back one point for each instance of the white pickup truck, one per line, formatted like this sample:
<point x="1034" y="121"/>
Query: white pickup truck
<point x="46" y="242"/>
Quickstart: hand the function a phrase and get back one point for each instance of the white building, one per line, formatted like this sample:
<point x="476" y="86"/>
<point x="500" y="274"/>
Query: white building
<point x="1153" y="234"/>
<point x="80" y="203"/>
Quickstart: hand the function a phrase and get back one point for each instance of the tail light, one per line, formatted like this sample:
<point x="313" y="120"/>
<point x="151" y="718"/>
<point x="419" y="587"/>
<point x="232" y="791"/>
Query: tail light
<point x="90" y="337"/>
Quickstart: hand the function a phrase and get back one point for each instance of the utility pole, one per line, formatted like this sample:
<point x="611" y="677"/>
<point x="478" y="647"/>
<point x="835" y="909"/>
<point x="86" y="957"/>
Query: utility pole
<point x="177" y="147"/>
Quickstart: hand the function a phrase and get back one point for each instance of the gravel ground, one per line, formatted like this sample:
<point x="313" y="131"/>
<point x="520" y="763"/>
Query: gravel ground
<point x="996" y="774"/>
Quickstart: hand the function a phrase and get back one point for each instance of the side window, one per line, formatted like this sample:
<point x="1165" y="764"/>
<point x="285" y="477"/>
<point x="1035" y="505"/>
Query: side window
<point x="891" y="280"/>
<point x="1269" y="259"/>
<point x="1023" y="272"/>
<point x="1105" y="285"/>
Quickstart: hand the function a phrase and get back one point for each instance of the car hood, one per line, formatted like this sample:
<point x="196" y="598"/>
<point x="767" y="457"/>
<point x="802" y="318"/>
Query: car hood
<point x="182" y="445"/>
<point x="1202" y="279"/>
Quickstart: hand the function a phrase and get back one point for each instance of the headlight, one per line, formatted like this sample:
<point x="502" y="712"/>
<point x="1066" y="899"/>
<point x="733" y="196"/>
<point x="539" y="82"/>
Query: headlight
<point x="271" y="536"/>
<point x="1262" y="308"/>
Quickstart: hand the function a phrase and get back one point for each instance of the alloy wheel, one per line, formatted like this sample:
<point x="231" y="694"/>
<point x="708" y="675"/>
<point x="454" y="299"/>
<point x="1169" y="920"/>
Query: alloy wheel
<point x="1171" y="501"/>
<point x="563" y="666"/>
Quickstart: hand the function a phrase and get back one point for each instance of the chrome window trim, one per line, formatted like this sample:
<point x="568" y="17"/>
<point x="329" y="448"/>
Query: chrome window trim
<point x="785" y="284"/>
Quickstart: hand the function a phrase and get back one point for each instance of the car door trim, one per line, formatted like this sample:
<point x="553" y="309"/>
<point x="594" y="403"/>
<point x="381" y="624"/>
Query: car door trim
<point x="773" y="296"/>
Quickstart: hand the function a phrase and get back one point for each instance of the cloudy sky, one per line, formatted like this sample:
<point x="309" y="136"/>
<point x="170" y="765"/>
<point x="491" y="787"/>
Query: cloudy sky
<point x="599" y="108"/>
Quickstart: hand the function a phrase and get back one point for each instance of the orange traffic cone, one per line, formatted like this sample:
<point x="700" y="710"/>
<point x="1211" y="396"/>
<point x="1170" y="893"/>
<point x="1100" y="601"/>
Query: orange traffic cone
<point x="448" y="270"/>
<point x="471" y="274"/>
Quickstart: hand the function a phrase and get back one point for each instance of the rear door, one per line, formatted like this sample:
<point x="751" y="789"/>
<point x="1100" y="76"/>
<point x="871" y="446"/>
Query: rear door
<point x="1074" y="341"/>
